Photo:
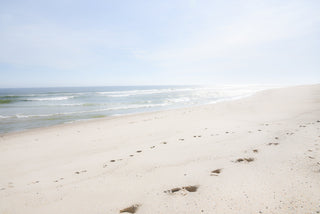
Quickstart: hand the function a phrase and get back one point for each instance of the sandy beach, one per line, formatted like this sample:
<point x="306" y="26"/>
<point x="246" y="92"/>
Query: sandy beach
<point x="259" y="154"/>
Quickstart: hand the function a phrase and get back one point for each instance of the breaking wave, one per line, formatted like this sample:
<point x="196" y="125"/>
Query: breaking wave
<point x="22" y="116"/>
<point x="50" y="98"/>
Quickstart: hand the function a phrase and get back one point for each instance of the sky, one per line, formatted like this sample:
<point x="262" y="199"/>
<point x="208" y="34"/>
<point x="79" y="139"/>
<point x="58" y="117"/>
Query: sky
<point x="168" y="42"/>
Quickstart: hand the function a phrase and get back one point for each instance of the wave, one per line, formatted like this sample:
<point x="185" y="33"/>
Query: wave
<point x="50" y="98"/>
<point x="222" y="90"/>
<point x="134" y="106"/>
<point x="70" y="104"/>
<point x="143" y="92"/>
<point x="16" y="96"/>
<point x="78" y="104"/>
<point x="7" y="101"/>
<point x="121" y="95"/>
<point x="178" y="100"/>
<point x="9" y="97"/>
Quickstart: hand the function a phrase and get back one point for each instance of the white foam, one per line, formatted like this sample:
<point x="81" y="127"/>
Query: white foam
<point x="203" y="92"/>
<point x="133" y="106"/>
<point x="143" y="92"/>
<point x="178" y="100"/>
<point x="68" y="104"/>
<point x="51" y="98"/>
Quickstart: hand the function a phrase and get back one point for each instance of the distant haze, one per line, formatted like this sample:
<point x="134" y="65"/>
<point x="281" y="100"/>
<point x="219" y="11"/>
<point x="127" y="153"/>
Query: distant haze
<point x="96" y="43"/>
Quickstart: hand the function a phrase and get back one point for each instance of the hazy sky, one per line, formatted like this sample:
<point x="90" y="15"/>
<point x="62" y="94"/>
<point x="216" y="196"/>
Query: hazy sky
<point x="84" y="43"/>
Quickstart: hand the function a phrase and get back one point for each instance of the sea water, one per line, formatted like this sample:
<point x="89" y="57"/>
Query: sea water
<point x="26" y="108"/>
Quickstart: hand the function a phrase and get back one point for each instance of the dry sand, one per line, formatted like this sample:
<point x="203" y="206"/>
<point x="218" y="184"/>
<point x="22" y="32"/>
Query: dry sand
<point x="260" y="154"/>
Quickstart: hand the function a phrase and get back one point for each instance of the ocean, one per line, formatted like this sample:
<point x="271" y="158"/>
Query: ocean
<point x="27" y="108"/>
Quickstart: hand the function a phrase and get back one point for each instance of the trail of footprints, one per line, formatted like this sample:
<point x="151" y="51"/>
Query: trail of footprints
<point x="186" y="189"/>
<point x="250" y="159"/>
<point x="192" y="188"/>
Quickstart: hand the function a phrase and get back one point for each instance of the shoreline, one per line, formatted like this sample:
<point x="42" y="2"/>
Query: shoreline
<point x="258" y="154"/>
<point x="141" y="113"/>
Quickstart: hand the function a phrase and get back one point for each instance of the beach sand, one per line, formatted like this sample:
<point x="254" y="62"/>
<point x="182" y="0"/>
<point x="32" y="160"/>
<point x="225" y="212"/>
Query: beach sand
<point x="259" y="154"/>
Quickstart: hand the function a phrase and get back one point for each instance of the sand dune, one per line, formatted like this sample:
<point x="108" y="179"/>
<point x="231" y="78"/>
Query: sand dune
<point x="259" y="154"/>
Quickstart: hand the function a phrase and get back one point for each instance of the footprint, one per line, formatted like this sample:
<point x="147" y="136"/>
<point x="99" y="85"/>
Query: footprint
<point x="80" y="172"/>
<point x="245" y="160"/>
<point x="275" y="144"/>
<point x="131" y="209"/>
<point x="152" y="147"/>
<point x="139" y="151"/>
<point x="255" y="150"/>
<point x="216" y="172"/>
<point x="191" y="188"/>
<point x="185" y="188"/>
<point x="173" y="190"/>
<point x="112" y="160"/>
<point x="181" y="139"/>
<point x="164" y="142"/>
